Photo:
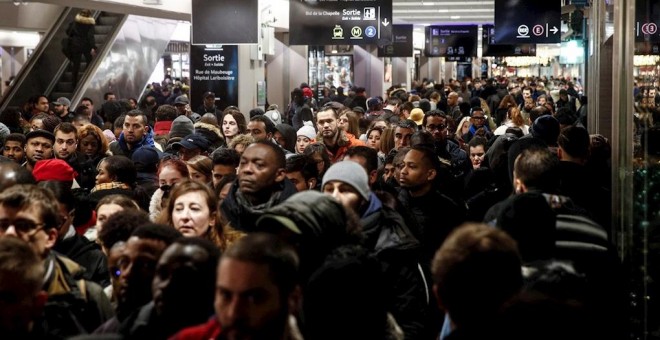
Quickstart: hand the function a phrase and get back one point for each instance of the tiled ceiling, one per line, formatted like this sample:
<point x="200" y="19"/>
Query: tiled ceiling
<point x="427" y="12"/>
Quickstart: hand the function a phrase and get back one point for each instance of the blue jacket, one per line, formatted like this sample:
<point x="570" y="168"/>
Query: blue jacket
<point x="121" y="148"/>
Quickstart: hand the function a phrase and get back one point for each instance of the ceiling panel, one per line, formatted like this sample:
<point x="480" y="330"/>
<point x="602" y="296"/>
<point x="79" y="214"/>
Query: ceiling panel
<point x="456" y="12"/>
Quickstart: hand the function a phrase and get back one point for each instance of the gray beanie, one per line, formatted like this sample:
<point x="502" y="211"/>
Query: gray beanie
<point x="350" y="173"/>
<point x="4" y="132"/>
<point x="181" y="127"/>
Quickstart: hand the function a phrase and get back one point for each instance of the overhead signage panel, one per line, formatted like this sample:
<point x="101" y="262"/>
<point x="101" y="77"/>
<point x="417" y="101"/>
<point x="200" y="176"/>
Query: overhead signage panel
<point x="347" y="22"/>
<point x="647" y="19"/>
<point x="490" y="50"/>
<point x="451" y="41"/>
<point x="527" y="22"/>
<point x="402" y="42"/>
<point x="225" y="22"/>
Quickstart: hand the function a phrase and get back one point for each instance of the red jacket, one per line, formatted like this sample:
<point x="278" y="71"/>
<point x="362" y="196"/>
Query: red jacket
<point x="206" y="331"/>
<point x="345" y="141"/>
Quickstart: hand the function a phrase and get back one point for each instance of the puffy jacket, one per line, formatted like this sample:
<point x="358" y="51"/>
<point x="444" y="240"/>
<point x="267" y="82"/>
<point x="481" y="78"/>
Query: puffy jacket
<point x="120" y="147"/>
<point x="88" y="255"/>
<point x="344" y="142"/>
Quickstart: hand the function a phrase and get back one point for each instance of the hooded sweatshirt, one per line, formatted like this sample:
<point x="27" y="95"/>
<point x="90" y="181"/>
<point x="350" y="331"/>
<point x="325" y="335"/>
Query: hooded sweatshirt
<point x="289" y="133"/>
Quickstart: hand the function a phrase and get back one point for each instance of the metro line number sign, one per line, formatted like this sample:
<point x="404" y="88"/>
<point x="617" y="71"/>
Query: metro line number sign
<point x="527" y="22"/>
<point x="346" y="22"/>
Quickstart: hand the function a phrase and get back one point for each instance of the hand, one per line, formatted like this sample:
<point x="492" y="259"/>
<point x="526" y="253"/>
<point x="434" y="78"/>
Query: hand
<point x="93" y="52"/>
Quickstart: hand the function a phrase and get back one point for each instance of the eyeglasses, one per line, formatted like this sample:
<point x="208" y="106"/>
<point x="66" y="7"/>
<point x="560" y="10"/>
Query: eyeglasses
<point x="22" y="226"/>
<point x="479" y="118"/>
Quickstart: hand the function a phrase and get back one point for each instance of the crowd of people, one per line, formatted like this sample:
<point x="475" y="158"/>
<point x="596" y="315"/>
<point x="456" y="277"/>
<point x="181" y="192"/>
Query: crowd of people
<point x="469" y="209"/>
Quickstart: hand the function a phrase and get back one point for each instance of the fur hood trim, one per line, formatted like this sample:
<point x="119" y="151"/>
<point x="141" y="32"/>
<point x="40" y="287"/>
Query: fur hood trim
<point x="210" y="127"/>
<point x="85" y="20"/>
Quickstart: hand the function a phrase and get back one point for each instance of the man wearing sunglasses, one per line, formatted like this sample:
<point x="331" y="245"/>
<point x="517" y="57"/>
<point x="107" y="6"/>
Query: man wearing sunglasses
<point x="74" y="306"/>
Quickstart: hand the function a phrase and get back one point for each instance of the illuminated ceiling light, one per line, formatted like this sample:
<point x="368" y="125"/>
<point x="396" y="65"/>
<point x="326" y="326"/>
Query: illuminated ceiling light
<point x="454" y="17"/>
<point x="443" y="11"/>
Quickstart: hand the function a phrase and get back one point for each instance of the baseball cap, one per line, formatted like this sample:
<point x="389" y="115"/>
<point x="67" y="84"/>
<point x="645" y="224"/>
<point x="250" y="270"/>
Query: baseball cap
<point x="181" y="100"/>
<point x="208" y="94"/>
<point x="62" y="101"/>
<point x="193" y="141"/>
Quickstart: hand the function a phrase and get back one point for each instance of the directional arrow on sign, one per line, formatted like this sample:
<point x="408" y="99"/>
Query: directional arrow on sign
<point x="554" y="30"/>
<point x="385" y="22"/>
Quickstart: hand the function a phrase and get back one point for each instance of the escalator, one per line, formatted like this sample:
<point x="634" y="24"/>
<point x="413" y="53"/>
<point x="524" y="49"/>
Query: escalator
<point x="128" y="50"/>
<point x="48" y="71"/>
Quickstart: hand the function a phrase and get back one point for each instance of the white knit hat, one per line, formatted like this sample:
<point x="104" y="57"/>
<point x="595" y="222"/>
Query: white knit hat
<point x="307" y="131"/>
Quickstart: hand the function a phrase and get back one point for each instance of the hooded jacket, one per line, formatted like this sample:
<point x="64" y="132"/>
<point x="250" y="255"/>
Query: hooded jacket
<point x="242" y="215"/>
<point x="212" y="133"/>
<point x="289" y="133"/>
<point x="81" y="32"/>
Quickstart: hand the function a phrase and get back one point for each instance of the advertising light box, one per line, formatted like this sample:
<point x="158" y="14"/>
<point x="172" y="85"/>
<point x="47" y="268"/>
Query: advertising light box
<point x="347" y="22"/>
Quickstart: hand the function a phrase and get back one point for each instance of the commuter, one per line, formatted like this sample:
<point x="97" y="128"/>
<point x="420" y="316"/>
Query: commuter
<point x="261" y="184"/>
<point x="11" y="117"/>
<point x="165" y="115"/>
<point x="475" y="272"/>
<point x="93" y="117"/>
<point x="74" y="246"/>
<point x="200" y="168"/>
<point x="453" y="108"/>
<point x="334" y="139"/>
<point x="478" y="147"/>
<point x="302" y="172"/>
<point x="115" y="175"/>
<point x="273" y="268"/>
<point x="211" y="131"/>
<point x="21" y="275"/>
<point x="61" y="109"/>
<point x="478" y="125"/>
<point x="66" y="148"/>
<point x="111" y="109"/>
<point x="38" y="146"/>
<point x="367" y="158"/>
<point x="191" y="146"/>
<point x="402" y="132"/>
<point x="146" y="161"/>
<point x="183" y="290"/>
<point x="261" y="128"/>
<point x="81" y="42"/>
<point x="285" y="137"/>
<point x="209" y="105"/>
<point x="514" y="118"/>
<point x="136" y="133"/>
<point x="389" y="239"/>
<point x="233" y="124"/>
<point x="14" y="147"/>
<point x="107" y="207"/>
<point x="240" y="142"/>
<point x="306" y="135"/>
<point x="35" y="105"/>
<point x="93" y="144"/>
<point x="170" y="172"/>
<point x="135" y="272"/>
<point x="419" y="196"/>
<point x="349" y="122"/>
<point x="225" y="162"/>
<point x="192" y="210"/>
<point x="568" y="101"/>
<point x="74" y="306"/>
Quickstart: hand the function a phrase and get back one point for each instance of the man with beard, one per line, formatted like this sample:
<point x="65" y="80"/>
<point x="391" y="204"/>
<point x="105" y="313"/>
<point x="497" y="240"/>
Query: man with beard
<point x="38" y="146"/>
<point x="14" y="147"/>
<point x="256" y="292"/>
<point x="66" y="145"/>
<point x="334" y="139"/>
<point x="136" y="133"/>
<point x="61" y="109"/>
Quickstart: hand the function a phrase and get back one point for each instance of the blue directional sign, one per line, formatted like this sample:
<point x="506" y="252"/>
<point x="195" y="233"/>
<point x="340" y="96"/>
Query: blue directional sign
<point x="527" y="22"/>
